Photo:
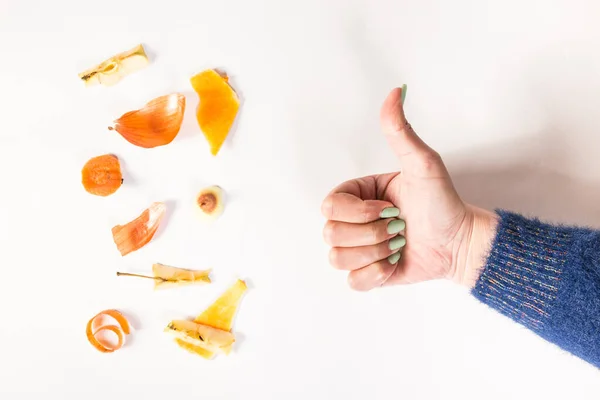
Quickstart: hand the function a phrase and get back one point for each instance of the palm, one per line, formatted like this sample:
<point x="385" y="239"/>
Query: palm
<point x="435" y="222"/>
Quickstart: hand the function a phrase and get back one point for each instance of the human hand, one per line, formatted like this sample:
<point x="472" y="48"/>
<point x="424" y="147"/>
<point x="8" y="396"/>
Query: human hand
<point x="436" y="234"/>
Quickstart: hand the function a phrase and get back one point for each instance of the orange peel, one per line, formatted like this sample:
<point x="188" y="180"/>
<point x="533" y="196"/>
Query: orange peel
<point x="121" y="330"/>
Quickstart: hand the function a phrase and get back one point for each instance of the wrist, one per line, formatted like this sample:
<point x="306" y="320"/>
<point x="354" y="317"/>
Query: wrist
<point x="481" y="231"/>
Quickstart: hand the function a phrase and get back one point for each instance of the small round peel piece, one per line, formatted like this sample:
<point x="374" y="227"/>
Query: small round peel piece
<point x="209" y="203"/>
<point x="101" y="176"/>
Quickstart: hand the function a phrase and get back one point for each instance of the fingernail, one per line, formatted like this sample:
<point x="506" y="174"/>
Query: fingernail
<point x="395" y="226"/>
<point x="404" y="88"/>
<point x="389" y="212"/>
<point x="397" y="242"/>
<point x="394" y="258"/>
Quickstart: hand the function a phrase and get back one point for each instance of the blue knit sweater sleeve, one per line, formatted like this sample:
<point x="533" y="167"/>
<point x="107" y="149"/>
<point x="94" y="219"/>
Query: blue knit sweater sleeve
<point x="547" y="278"/>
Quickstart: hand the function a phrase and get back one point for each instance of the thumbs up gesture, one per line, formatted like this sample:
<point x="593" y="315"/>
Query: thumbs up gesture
<point x="406" y="226"/>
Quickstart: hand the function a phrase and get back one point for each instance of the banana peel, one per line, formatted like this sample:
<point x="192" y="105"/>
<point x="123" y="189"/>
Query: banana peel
<point x="204" y="336"/>
<point x="165" y="276"/>
<point x="111" y="71"/>
<point x="173" y="277"/>
<point x="218" y="316"/>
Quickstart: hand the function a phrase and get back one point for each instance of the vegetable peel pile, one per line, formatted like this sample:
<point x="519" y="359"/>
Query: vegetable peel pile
<point x="165" y="276"/>
<point x="155" y="124"/>
<point x="219" y="105"/>
<point x="136" y="234"/>
<point x="210" y="332"/>
<point x="94" y="333"/>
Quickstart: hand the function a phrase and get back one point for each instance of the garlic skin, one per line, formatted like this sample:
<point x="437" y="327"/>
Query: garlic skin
<point x="155" y="124"/>
<point x="111" y="71"/>
<point x="209" y="203"/>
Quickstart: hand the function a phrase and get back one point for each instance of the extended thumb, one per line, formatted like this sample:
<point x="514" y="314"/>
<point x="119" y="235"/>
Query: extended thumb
<point x="400" y="135"/>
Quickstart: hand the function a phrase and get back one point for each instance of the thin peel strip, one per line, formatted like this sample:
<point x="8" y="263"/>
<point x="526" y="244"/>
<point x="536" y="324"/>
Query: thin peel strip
<point x="121" y="331"/>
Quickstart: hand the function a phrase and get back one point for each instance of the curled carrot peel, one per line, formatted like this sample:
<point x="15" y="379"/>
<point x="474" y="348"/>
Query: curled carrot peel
<point x="123" y="329"/>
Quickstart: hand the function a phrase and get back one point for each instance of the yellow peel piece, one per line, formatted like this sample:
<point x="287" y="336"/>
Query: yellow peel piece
<point x="207" y="337"/>
<point x="219" y="315"/>
<point x="219" y="105"/>
<point x="194" y="349"/>
<point x="115" y="68"/>
<point x="173" y="277"/>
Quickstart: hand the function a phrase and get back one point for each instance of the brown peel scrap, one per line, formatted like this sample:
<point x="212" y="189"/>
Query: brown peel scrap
<point x="137" y="233"/>
<point x="219" y="316"/>
<point x="168" y="277"/>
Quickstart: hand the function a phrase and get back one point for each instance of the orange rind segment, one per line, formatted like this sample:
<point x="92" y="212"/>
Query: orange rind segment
<point x="219" y="105"/>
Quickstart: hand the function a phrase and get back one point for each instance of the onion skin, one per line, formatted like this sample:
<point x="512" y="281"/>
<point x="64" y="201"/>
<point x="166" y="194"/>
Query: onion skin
<point x="155" y="124"/>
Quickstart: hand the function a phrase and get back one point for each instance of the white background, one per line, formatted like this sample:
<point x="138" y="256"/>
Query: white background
<point x="508" y="92"/>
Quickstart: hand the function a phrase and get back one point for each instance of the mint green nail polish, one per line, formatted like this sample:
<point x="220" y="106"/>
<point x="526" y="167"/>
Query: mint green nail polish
<point x="404" y="88"/>
<point x="389" y="212"/>
<point x="394" y="258"/>
<point x="397" y="242"/>
<point x="395" y="226"/>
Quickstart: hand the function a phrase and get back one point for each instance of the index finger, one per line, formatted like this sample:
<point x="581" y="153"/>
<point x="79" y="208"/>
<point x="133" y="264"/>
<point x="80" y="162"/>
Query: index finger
<point x="345" y="204"/>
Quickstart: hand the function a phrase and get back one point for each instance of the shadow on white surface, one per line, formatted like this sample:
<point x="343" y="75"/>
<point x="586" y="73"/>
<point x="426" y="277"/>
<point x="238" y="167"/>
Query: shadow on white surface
<point x="171" y="205"/>
<point x="128" y="178"/>
<point x="189" y="126"/>
<point x="528" y="177"/>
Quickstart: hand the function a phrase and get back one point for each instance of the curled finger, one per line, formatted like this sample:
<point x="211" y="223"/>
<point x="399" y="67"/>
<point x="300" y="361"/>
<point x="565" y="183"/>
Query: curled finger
<point x="373" y="275"/>
<point x="351" y="258"/>
<point x="343" y="234"/>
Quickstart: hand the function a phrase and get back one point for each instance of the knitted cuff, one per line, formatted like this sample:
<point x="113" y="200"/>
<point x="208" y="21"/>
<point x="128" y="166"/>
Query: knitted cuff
<point x="524" y="269"/>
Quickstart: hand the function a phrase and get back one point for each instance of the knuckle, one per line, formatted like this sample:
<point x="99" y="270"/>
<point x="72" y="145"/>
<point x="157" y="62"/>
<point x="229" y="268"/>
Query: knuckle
<point x="381" y="272"/>
<point x="327" y="207"/>
<point x="430" y="161"/>
<point x="382" y="250"/>
<point x="374" y="232"/>
<point x="355" y="283"/>
<point x="365" y="212"/>
<point x="335" y="258"/>
<point x="329" y="233"/>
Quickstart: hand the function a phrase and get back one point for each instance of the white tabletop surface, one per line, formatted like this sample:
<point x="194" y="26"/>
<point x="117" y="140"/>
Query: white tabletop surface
<point x="507" y="91"/>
